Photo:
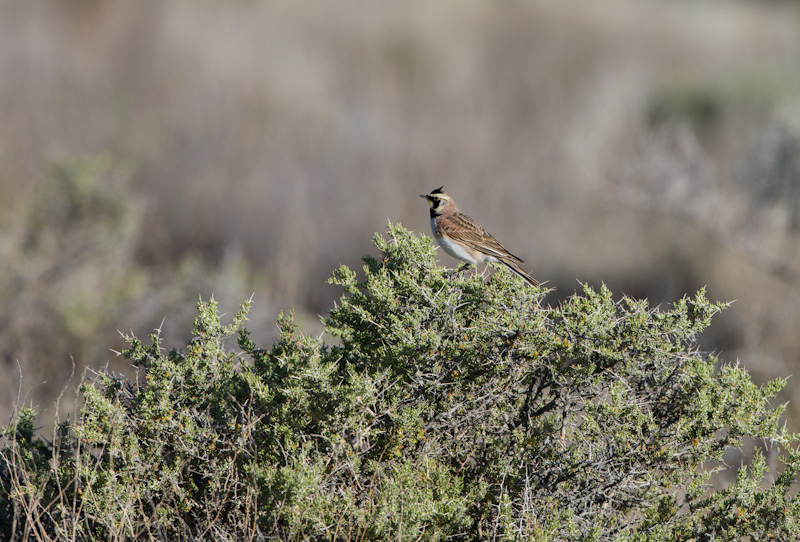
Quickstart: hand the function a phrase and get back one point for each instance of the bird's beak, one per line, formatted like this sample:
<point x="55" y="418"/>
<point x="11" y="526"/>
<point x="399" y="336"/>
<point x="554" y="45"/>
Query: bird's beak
<point x="424" y="195"/>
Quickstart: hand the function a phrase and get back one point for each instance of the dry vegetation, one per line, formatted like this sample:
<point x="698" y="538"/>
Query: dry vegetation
<point x="248" y="147"/>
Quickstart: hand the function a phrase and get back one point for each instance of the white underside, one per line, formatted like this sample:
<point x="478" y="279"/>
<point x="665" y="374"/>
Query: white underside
<point x="457" y="251"/>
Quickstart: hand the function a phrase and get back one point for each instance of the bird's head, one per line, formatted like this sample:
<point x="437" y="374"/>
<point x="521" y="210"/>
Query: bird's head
<point x="438" y="200"/>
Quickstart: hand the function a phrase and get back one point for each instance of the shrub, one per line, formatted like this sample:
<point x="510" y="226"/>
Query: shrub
<point x="67" y="271"/>
<point x="448" y="407"/>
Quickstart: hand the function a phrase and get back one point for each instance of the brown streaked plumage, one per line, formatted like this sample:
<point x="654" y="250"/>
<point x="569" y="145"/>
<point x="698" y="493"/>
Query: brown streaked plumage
<point x="463" y="238"/>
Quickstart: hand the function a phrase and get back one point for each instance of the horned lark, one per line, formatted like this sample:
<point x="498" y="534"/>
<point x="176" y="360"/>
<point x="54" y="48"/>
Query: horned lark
<point x="465" y="239"/>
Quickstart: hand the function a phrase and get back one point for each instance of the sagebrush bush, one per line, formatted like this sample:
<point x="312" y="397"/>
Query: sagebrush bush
<point x="71" y="270"/>
<point x="447" y="407"/>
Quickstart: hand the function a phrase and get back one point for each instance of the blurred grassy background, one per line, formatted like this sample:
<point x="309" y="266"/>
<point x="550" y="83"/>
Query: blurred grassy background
<point x="151" y="152"/>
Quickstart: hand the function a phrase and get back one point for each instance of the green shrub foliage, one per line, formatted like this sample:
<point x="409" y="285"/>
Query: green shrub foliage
<point x="443" y="407"/>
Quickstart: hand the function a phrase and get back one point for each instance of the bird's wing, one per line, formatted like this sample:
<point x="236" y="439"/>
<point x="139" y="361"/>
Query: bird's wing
<point x="462" y="228"/>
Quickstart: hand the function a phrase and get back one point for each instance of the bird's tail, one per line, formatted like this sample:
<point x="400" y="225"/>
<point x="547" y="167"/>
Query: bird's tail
<point x="520" y="273"/>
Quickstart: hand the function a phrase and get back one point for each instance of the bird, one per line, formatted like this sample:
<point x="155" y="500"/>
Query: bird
<point x="465" y="239"/>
